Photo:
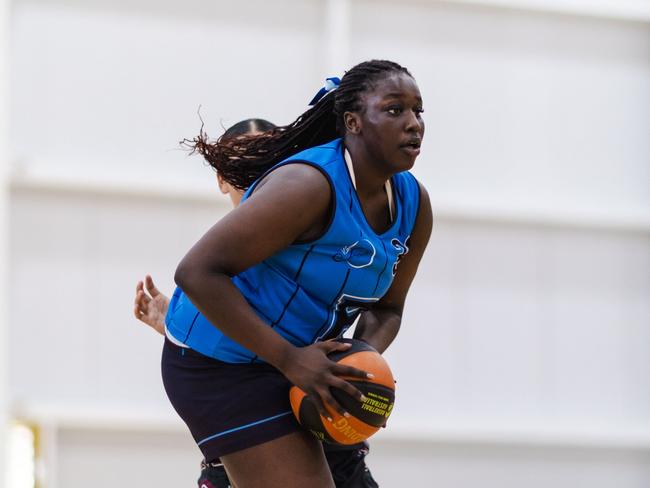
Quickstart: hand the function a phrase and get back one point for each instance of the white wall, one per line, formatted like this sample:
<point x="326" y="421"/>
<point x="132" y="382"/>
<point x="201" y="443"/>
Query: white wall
<point x="123" y="85"/>
<point x="523" y="85"/>
<point x="4" y="227"/>
<point x="432" y="465"/>
<point x="522" y="357"/>
<point x="526" y="113"/>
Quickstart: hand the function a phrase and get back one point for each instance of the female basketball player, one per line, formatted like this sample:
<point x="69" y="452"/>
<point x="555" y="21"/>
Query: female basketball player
<point x="347" y="463"/>
<point x="316" y="241"/>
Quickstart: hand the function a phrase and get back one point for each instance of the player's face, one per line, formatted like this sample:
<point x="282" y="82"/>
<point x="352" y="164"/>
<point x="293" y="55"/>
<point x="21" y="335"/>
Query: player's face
<point x="391" y="122"/>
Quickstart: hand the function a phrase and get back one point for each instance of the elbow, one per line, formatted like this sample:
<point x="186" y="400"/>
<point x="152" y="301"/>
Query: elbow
<point x="187" y="276"/>
<point x="194" y="276"/>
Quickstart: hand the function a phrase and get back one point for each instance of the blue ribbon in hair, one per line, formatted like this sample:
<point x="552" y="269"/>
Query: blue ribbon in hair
<point x="330" y="84"/>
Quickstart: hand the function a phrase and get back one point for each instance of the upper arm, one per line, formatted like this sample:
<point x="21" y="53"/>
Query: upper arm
<point x="292" y="201"/>
<point x="396" y="295"/>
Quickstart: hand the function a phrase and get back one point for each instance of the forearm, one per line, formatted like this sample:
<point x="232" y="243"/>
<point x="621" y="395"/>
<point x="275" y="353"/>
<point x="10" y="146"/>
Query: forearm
<point x="378" y="328"/>
<point x="219" y="300"/>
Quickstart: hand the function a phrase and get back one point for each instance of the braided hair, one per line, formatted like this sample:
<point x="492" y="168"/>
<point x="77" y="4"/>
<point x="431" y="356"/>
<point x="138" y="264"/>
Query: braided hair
<point x="242" y="160"/>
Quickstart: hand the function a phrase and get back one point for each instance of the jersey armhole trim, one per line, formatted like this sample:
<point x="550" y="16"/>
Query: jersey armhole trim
<point x="419" y="205"/>
<point x="252" y="188"/>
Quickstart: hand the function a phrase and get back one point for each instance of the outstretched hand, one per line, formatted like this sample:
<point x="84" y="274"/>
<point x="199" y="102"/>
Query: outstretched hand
<point x="312" y="371"/>
<point x="151" y="305"/>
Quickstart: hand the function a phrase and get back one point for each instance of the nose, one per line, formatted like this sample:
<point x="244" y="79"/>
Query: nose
<point x="414" y="123"/>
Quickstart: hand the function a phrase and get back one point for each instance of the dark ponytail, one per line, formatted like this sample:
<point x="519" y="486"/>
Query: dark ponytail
<point x="247" y="126"/>
<point x="243" y="159"/>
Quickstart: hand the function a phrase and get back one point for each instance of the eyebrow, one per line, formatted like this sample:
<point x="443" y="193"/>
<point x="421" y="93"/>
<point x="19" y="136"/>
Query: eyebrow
<point x="399" y="95"/>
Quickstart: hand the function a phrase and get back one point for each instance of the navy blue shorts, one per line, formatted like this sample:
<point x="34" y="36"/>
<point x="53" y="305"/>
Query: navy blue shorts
<point x="227" y="407"/>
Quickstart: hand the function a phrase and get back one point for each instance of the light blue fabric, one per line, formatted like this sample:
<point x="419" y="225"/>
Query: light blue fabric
<point x="313" y="291"/>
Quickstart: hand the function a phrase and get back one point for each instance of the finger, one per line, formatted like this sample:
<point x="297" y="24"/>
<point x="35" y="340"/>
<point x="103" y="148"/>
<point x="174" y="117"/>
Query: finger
<point x="146" y="299"/>
<point x="331" y="402"/>
<point x="137" y="313"/>
<point x="331" y="346"/>
<point x="348" y="388"/>
<point x="318" y="403"/>
<point x="138" y="298"/>
<point x="151" y="288"/>
<point x="349" y="371"/>
<point x="138" y="288"/>
<point x="142" y="300"/>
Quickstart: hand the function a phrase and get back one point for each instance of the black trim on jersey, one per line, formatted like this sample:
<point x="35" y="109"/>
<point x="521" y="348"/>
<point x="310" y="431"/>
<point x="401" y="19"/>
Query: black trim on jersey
<point x="302" y="263"/>
<point x="252" y="188"/>
<point x="417" y="214"/>
<point x="189" y="331"/>
<point x="277" y="321"/>
<point x="286" y="306"/>
<point x="383" y="269"/>
<point x="284" y="310"/>
<point x="336" y="297"/>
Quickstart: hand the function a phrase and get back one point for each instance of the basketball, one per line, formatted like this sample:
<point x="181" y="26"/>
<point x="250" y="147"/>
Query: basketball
<point x="366" y="417"/>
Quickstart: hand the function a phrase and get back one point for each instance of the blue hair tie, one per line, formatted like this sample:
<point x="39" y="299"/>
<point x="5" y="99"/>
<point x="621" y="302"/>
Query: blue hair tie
<point x="330" y="84"/>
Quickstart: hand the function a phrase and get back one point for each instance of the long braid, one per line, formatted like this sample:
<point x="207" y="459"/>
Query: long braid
<point x="242" y="160"/>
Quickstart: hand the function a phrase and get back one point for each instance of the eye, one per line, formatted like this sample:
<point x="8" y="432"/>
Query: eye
<point x="394" y="110"/>
<point x="418" y="111"/>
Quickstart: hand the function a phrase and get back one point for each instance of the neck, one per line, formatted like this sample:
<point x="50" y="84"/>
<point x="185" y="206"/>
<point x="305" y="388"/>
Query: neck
<point x="370" y="179"/>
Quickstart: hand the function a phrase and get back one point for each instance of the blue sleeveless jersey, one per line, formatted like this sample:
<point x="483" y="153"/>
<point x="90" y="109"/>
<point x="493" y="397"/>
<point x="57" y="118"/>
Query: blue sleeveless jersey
<point x="313" y="291"/>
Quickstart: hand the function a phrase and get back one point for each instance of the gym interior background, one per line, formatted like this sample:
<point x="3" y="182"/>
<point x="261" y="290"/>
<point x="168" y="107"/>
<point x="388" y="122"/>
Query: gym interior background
<point x="524" y="353"/>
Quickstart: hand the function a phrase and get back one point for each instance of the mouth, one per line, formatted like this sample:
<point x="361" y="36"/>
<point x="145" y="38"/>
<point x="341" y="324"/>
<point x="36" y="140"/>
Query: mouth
<point x="412" y="147"/>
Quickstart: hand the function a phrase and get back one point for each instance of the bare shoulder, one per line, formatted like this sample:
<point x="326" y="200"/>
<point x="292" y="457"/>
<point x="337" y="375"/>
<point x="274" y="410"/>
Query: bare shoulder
<point x="299" y="179"/>
<point x="295" y="199"/>
<point x="291" y="204"/>
<point x="424" y="221"/>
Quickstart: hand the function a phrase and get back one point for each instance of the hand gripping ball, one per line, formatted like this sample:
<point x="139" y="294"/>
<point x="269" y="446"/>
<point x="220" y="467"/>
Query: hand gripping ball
<point x="366" y="417"/>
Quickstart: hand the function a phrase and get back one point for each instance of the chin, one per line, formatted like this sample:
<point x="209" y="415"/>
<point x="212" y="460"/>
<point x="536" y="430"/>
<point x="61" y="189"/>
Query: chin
<point x="404" y="163"/>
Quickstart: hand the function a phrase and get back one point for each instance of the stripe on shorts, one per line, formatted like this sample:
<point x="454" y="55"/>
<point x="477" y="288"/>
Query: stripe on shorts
<point x="252" y="424"/>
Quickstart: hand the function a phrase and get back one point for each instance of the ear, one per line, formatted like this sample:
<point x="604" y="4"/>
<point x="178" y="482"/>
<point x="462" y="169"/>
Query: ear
<point x="352" y="122"/>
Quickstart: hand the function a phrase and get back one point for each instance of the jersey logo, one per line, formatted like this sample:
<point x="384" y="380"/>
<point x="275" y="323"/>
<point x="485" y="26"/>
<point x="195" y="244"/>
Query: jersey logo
<point x="401" y="249"/>
<point x="358" y="255"/>
<point x="347" y="309"/>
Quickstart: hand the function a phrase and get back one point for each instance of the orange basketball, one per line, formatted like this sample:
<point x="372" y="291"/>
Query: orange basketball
<point x="366" y="417"/>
